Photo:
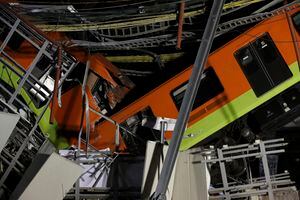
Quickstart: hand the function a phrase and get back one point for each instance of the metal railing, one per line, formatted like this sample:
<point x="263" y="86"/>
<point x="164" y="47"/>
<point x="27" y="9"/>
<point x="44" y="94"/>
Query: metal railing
<point x="230" y="188"/>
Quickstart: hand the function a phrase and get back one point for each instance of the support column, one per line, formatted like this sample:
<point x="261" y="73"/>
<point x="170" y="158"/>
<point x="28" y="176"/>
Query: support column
<point x="189" y="99"/>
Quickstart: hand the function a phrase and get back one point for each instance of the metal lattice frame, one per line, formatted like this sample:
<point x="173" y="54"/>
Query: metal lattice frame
<point x="26" y="139"/>
<point x="169" y="39"/>
<point x="255" y="186"/>
<point x="16" y="156"/>
<point x="44" y="47"/>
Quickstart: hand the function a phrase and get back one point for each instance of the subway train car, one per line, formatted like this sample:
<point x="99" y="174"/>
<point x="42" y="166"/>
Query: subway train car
<point x="239" y="79"/>
<point x="22" y="51"/>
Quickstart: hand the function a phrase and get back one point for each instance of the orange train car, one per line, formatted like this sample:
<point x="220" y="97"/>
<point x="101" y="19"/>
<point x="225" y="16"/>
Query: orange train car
<point x="19" y="54"/>
<point x="68" y="115"/>
<point x="101" y="70"/>
<point x="247" y="72"/>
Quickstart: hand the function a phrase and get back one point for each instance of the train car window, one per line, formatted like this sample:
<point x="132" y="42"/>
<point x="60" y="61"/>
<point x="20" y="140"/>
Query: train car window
<point x="262" y="64"/>
<point x="210" y="87"/>
<point x="296" y="20"/>
<point x="98" y="87"/>
<point x="141" y="124"/>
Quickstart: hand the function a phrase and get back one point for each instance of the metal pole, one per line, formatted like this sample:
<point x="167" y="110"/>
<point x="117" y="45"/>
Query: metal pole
<point x="86" y="103"/>
<point x="57" y="77"/>
<point x="188" y="99"/>
<point x="163" y="127"/>
<point x="115" y="123"/>
<point x="180" y="25"/>
<point x="266" y="169"/>
<point x="223" y="173"/>
<point x="86" y="110"/>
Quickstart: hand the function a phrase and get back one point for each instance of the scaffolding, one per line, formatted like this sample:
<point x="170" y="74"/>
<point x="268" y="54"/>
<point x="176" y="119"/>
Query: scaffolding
<point x="269" y="183"/>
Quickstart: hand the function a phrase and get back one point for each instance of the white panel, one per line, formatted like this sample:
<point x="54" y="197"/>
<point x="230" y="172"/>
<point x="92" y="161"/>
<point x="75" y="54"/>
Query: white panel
<point x="191" y="179"/>
<point x="53" y="180"/>
<point x="154" y="176"/>
<point x="8" y="122"/>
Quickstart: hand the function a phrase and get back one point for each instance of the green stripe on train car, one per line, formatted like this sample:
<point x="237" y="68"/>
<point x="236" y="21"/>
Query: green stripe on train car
<point x="47" y="129"/>
<point x="232" y="111"/>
